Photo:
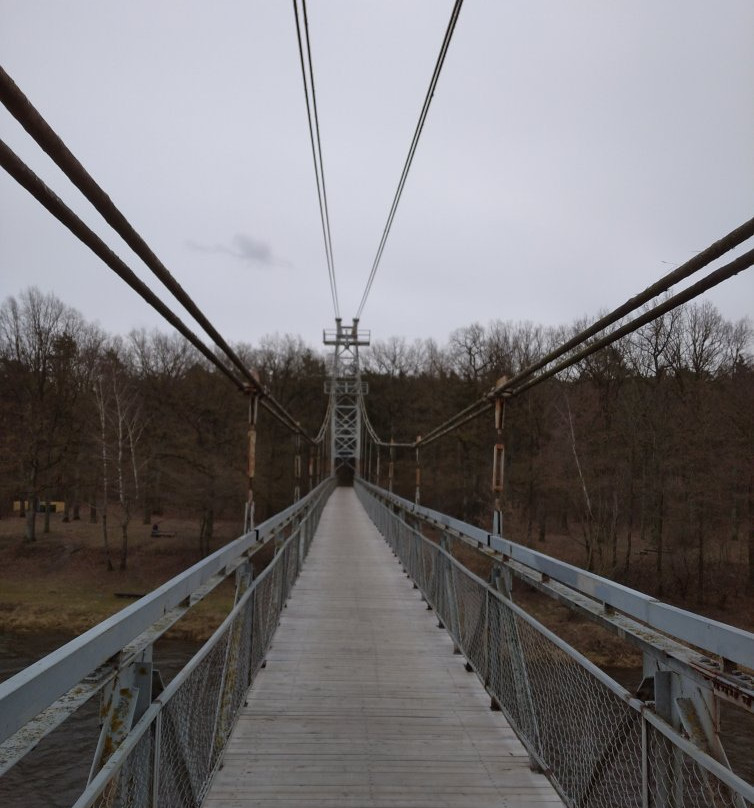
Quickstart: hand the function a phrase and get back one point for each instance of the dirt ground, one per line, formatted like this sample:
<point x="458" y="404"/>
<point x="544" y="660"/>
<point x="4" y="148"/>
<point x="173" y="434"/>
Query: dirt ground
<point x="60" y="582"/>
<point x="601" y="646"/>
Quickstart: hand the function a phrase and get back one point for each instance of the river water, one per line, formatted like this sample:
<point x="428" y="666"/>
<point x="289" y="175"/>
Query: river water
<point x="55" y="773"/>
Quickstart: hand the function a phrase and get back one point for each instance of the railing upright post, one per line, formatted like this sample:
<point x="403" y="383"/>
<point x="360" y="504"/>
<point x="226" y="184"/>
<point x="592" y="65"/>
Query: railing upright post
<point x="498" y="468"/>
<point x="378" y="467"/>
<point x="156" y="755"/>
<point x="230" y="670"/>
<point x="502" y="580"/>
<point x="450" y="597"/>
<point x="391" y="467"/>
<point x="297" y="468"/>
<point x="417" y="495"/>
<point x="252" y="459"/>
<point x="644" y="764"/>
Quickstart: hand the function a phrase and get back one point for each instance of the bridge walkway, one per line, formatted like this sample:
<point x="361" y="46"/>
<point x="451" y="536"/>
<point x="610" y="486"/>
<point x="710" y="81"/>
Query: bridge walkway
<point x="362" y="702"/>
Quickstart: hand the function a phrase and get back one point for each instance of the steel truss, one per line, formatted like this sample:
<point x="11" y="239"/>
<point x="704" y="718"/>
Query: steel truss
<point x="346" y="388"/>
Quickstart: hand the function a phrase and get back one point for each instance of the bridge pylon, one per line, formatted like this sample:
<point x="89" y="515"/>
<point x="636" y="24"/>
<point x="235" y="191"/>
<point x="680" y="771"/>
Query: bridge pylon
<point x="346" y="388"/>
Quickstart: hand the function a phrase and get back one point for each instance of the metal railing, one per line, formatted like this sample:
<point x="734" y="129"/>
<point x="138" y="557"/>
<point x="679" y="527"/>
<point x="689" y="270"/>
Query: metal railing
<point x="598" y="744"/>
<point x="172" y="745"/>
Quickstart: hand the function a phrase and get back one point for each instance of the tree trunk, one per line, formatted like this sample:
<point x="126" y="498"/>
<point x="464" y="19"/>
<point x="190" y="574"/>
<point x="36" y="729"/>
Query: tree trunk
<point x="124" y="541"/>
<point x="629" y="527"/>
<point x="105" y="541"/>
<point x="31" y="517"/>
<point x="206" y="529"/>
<point x="542" y="519"/>
<point x="700" y="559"/>
<point x="75" y="499"/>
<point x="658" y="529"/>
<point x="751" y="533"/>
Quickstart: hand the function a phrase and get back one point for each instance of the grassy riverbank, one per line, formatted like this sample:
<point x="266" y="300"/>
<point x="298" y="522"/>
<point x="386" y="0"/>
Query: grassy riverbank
<point x="60" y="582"/>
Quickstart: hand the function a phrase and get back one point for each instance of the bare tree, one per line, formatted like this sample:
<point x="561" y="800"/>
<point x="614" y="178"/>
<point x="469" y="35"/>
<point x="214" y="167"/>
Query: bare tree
<point x="101" y="399"/>
<point x="38" y="346"/>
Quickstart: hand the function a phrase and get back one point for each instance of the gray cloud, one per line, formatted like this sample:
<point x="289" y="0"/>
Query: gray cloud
<point x="244" y="248"/>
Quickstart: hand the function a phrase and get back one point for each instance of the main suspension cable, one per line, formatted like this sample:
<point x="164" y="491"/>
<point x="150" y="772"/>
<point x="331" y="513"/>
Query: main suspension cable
<point x="32" y="121"/>
<point x="705" y="284"/>
<point x="519" y="384"/>
<point x="316" y="143"/>
<point x="699" y="261"/>
<point x="412" y="150"/>
<point x="52" y="202"/>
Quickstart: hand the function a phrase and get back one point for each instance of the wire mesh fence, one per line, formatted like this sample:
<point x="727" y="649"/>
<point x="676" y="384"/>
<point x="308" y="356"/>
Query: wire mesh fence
<point x="600" y="747"/>
<point x="171" y="754"/>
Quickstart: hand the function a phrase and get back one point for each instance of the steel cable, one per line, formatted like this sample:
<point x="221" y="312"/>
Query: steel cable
<point x="699" y="261"/>
<point x="316" y="144"/>
<point x="412" y="150"/>
<point x="48" y="199"/>
<point x="513" y="386"/>
<point x="45" y="136"/>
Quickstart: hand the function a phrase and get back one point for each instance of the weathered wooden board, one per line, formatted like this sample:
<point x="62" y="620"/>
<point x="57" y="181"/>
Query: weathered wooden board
<point x="363" y="702"/>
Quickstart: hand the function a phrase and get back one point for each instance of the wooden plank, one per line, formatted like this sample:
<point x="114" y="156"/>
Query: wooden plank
<point x="362" y="702"/>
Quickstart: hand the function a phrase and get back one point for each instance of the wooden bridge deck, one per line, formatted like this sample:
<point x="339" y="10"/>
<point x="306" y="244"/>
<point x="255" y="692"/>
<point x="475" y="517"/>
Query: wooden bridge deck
<point x="363" y="702"/>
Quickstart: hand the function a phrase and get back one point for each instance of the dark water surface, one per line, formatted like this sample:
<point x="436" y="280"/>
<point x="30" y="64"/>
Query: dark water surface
<point x="55" y="773"/>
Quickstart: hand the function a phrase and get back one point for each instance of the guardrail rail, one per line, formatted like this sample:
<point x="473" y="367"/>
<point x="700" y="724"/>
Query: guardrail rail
<point x="163" y="749"/>
<point x="599" y="744"/>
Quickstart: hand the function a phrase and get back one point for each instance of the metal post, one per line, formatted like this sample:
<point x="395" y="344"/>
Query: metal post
<point x="253" y="414"/>
<point x="417" y="495"/>
<point x="509" y="636"/>
<point x="378" y="467"/>
<point x="311" y="468"/>
<point x="229" y="676"/>
<point x="391" y="467"/>
<point x="644" y="764"/>
<point x="156" y="760"/>
<point x="297" y="468"/>
<point x="498" y="464"/>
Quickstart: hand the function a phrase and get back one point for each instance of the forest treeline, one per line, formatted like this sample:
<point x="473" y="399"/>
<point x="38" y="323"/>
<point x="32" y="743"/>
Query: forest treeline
<point x="139" y="427"/>
<point x="639" y="457"/>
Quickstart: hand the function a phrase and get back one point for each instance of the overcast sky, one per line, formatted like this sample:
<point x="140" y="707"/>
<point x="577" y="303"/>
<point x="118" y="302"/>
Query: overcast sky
<point x="574" y="152"/>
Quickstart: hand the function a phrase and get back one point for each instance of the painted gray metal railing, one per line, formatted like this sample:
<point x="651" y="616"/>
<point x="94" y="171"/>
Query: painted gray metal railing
<point x="164" y="751"/>
<point x="599" y="745"/>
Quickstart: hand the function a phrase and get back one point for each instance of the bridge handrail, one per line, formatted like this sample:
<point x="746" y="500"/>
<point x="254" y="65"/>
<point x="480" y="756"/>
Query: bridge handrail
<point x="445" y="595"/>
<point x="728" y="642"/>
<point x="149" y="727"/>
<point x="30" y="691"/>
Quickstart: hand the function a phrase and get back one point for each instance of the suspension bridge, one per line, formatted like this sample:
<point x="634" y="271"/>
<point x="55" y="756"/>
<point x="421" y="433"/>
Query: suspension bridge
<point x="366" y="665"/>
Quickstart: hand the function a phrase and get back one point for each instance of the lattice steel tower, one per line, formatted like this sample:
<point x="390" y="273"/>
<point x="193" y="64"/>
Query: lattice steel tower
<point x="346" y="387"/>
